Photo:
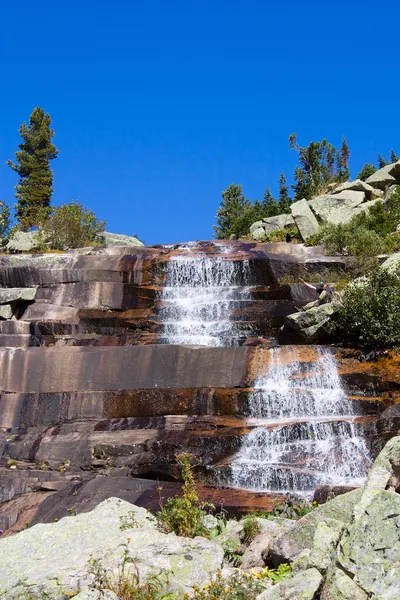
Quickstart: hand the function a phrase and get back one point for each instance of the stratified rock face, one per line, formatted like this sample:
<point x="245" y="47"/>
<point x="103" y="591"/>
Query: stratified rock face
<point x="58" y="560"/>
<point x="93" y="398"/>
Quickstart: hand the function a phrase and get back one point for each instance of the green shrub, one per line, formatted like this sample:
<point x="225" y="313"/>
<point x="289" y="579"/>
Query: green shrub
<point x="184" y="514"/>
<point x="370" y="311"/>
<point x="293" y="507"/>
<point x="251" y="528"/>
<point x="72" y="226"/>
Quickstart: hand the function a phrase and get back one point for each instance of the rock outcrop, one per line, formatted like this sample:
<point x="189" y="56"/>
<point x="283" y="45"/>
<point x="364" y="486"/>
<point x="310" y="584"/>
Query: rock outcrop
<point x="339" y="205"/>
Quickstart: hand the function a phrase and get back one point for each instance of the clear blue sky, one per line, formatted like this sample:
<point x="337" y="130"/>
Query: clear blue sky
<point x="158" y="106"/>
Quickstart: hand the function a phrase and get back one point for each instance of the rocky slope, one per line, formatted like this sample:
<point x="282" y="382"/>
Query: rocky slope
<point x="346" y="549"/>
<point x="339" y="205"/>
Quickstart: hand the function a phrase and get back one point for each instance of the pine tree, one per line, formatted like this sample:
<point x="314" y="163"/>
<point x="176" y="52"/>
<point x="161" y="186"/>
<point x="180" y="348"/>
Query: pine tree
<point x="381" y="162"/>
<point x="284" y="201"/>
<point x="393" y="156"/>
<point x="342" y="162"/>
<point x="34" y="188"/>
<point x="234" y="215"/>
<point x="269" y="205"/>
<point x="367" y="170"/>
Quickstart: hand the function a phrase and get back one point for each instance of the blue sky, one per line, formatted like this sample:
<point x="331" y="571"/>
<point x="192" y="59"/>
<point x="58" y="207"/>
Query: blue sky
<point x="158" y="106"/>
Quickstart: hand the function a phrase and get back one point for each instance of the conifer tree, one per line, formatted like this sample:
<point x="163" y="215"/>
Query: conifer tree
<point x="34" y="188"/>
<point x="284" y="201"/>
<point x="234" y="215"/>
<point x="342" y="162"/>
<point x="269" y="205"/>
<point x="367" y="170"/>
<point x="393" y="156"/>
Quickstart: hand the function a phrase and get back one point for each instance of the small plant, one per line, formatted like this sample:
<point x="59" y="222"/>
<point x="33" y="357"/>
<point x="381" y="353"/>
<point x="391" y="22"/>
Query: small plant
<point x="241" y="586"/>
<point x="128" y="521"/>
<point x="232" y="553"/>
<point x="184" y="514"/>
<point x="127" y="585"/>
<point x="62" y="467"/>
<point x="11" y="463"/>
<point x="251" y="528"/>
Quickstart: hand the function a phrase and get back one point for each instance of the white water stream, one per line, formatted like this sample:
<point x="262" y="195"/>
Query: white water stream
<point x="307" y="433"/>
<point x="305" y="430"/>
<point x="199" y="297"/>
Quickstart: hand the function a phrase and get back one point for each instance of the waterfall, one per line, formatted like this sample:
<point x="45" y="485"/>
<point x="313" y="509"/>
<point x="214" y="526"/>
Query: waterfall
<point x="306" y="433"/>
<point x="199" y="298"/>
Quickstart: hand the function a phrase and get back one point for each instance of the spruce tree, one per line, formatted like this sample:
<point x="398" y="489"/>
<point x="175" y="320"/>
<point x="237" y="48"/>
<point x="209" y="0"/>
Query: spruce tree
<point x="393" y="157"/>
<point x="234" y="215"/>
<point x="34" y="188"/>
<point x="342" y="162"/>
<point x="269" y="205"/>
<point x="284" y="201"/>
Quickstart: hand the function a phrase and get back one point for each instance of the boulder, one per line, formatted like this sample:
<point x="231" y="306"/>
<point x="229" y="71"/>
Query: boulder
<point x="302" y="586"/>
<point x="259" y="234"/>
<point x="24" y="241"/>
<point x="323" y="206"/>
<point x="278" y="222"/>
<point x="6" y="312"/>
<point x="310" y="324"/>
<point x="385" y="177"/>
<point x="340" y="586"/>
<point x="390" y="191"/>
<point x="304" y="219"/>
<point x="286" y="547"/>
<point x="256" y="225"/>
<point x="119" y="239"/>
<point x="358" y="186"/>
<point x="14" y="294"/>
<point x="392" y="262"/>
<point x="259" y="547"/>
<point x="370" y="549"/>
<point x="57" y="561"/>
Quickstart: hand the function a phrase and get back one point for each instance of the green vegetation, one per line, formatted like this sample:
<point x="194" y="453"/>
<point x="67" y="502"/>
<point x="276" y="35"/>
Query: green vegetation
<point x="366" y="235"/>
<point x="241" y="586"/>
<point x="184" y="514"/>
<point x="320" y="164"/>
<point x="251" y="528"/>
<point x="369" y="314"/>
<point x="127" y="585"/>
<point x="72" y="226"/>
<point x="34" y="188"/>
<point x="67" y="226"/>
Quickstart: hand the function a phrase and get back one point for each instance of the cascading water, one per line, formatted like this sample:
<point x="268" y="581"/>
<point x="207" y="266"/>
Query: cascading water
<point x="309" y="433"/>
<point x="198" y="300"/>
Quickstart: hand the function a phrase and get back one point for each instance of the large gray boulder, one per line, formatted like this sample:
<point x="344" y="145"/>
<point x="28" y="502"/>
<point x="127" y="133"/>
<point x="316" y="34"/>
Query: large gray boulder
<point x="392" y="262"/>
<point x="340" y="586"/>
<point x="58" y="555"/>
<point x="335" y="514"/>
<point x="278" y="222"/>
<point x="323" y="206"/>
<point x="385" y="177"/>
<point x="303" y="586"/>
<point x="304" y="219"/>
<point x="24" y="241"/>
<point x="119" y="239"/>
<point x="359" y="186"/>
<point x="14" y="294"/>
<point x="310" y="324"/>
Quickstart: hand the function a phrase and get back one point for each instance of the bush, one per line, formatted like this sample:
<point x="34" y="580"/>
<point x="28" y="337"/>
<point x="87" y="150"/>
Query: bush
<point x="370" y="311"/>
<point x="184" y="514"/>
<point x="72" y="226"/>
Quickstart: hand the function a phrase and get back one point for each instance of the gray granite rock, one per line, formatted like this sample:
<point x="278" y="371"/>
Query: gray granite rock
<point x="24" y="241"/>
<point x="359" y="186"/>
<point x="385" y="177"/>
<point x="119" y="239"/>
<point x="302" y="586"/>
<point x="304" y="219"/>
<point x="57" y="561"/>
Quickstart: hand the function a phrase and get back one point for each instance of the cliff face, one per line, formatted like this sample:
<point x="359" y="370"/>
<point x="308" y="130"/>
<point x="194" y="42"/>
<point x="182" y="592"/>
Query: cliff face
<point x="94" y="402"/>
